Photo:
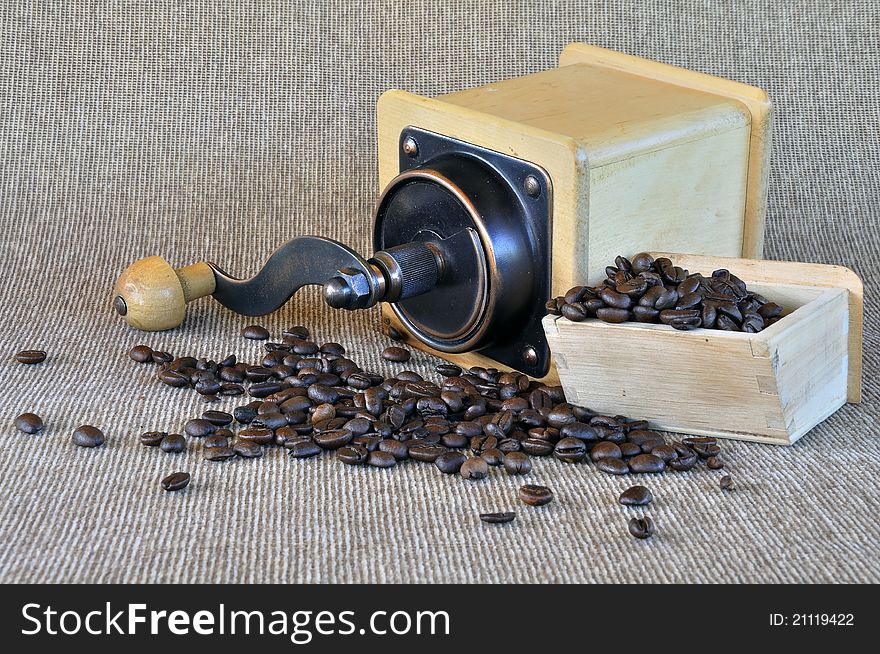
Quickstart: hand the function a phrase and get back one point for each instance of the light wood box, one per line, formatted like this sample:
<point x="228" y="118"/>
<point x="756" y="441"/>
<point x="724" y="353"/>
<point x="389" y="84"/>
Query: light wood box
<point x="641" y="156"/>
<point x="772" y="387"/>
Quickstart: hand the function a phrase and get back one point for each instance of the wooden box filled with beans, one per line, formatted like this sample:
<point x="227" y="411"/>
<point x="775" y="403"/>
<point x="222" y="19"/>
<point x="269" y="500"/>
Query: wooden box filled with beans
<point x="747" y="349"/>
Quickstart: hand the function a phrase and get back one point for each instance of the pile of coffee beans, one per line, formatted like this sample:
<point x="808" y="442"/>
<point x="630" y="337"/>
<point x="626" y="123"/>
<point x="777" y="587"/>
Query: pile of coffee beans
<point x="310" y="398"/>
<point x="657" y="291"/>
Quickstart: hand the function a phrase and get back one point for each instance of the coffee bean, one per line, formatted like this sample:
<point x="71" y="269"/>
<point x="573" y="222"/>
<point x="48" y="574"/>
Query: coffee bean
<point x="493" y="456"/>
<point x="448" y="370"/>
<point x="219" y="453"/>
<point x="29" y="423"/>
<point x="642" y="262"/>
<point x="332" y="439"/>
<point x="219" y="418"/>
<point x="161" y="357"/>
<point x="706" y="450"/>
<point x="726" y="483"/>
<point x="535" y="495"/>
<point x="613" y="315"/>
<point x="517" y="463"/>
<point x="395" y="448"/>
<point x="352" y="454"/>
<point x="715" y="463"/>
<point x="176" y="481"/>
<point x="636" y="496"/>
<point x="215" y="440"/>
<point x="247" y="449"/>
<point x="641" y="528"/>
<point x="304" y="449"/>
<point x="258" y="435"/>
<point x="647" y="463"/>
<point x="629" y="449"/>
<point x="199" y="428"/>
<point x="605" y="450"/>
<point x="537" y="446"/>
<point x="576" y="312"/>
<point x="264" y="389"/>
<point x="450" y="462"/>
<point x="88" y="436"/>
<point x="31" y="357"/>
<point x="474" y="468"/>
<point x="570" y="450"/>
<point x="613" y="466"/>
<point x="498" y="518"/>
<point x="396" y="354"/>
<point x="255" y="332"/>
<point x="173" y="378"/>
<point x="426" y="453"/>
<point x="173" y="444"/>
<point x="381" y="459"/>
<point x="152" y="438"/>
<point x="141" y="354"/>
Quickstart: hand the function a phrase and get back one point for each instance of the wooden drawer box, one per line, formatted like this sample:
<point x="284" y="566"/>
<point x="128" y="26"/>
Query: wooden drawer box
<point x="772" y="387"/>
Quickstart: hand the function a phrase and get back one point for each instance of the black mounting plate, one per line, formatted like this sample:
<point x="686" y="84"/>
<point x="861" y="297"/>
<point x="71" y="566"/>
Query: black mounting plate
<point x="525" y="350"/>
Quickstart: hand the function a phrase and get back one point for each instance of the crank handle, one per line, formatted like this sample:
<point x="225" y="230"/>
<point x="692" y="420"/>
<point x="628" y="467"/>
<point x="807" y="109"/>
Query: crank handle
<point x="152" y="296"/>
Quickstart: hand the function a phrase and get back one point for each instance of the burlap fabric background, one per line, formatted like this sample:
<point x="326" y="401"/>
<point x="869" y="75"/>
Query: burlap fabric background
<point x="219" y="129"/>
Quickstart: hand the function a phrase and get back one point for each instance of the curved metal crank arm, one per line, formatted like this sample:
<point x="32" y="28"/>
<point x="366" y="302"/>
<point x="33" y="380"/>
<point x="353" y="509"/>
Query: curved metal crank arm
<point x="302" y="261"/>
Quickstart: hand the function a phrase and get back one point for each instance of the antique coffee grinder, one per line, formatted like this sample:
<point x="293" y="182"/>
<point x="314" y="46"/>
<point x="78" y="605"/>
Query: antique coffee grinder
<point x="499" y="197"/>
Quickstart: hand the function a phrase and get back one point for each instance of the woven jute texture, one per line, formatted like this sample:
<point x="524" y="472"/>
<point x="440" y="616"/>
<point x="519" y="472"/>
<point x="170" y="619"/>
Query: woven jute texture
<point x="217" y="130"/>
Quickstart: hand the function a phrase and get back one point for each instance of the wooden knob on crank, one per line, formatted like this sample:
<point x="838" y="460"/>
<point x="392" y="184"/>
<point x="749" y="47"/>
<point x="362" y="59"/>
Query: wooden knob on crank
<point x="151" y="295"/>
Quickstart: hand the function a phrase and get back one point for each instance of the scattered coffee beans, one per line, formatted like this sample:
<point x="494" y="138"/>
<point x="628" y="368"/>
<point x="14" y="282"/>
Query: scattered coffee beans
<point x="658" y="291"/>
<point x="176" y="481"/>
<point x="641" y="527"/>
<point x="636" y="496"/>
<point x="498" y="518"/>
<point x="88" y="436"/>
<point x="535" y="495"/>
<point x="29" y="423"/>
<point x="30" y="357"/>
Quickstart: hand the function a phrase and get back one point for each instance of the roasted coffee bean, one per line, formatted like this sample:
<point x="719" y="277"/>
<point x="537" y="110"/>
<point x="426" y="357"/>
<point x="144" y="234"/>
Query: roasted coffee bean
<point x="629" y="449"/>
<point x="641" y="528"/>
<point x="605" y="450"/>
<point x="270" y="421"/>
<point x="642" y="262"/>
<point x="219" y="418"/>
<point x="454" y="440"/>
<point x="450" y="462"/>
<point x="665" y="452"/>
<point x="646" y="463"/>
<point x="474" y="468"/>
<point x="726" y="483"/>
<point x="88" y="436"/>
<point x="517" y="463"/>
<point x="245" y="414"/>
<point x="173" y="444"/>
<point x="498" y="518"/>
<point x="535" y="495"/>
<point x="31" y="357"/>
<point x="162" y="357"/>
<point x="537" y="446"/>
<point x="304" y="449"/>
<point x="570" y="450"/>
<point x="29" y="423"/>
<point x="261" y="436"/>
<point x="152" y="438"/>
<point x="176" y="481"/>
<point x="715" y="463"/>
<point x="352" y="454"/>
<point x="448" y="370"/>
<point x="332" y="439"/>
<point x="173" y="378"/>
<point x="215" y="440"/>
<point x="379" y="459"/>
<point x="199" y="428"/>
<point x="705" y="450"/>
<point x="264" y="389"/>
<point x="395" y="448"/>
<point x="612" y="315"/>
<point x="645" y="314"/>
<point x="493" y="456"/>
<point x="580" y="430"/>
<point x="141" y="354"/>
<point x="255" y="332"/>
<point x="207" y="387"/>
<point x="426" y="453"/>
<point x="636" y="496"/>
<point x="396" y="354"/>
<point x="247" y="449"/>
<point x="482" y="442"/>
<point x="575" y="312"/>
<point x="613" y="466"/>
<point x="219" y="453"/>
